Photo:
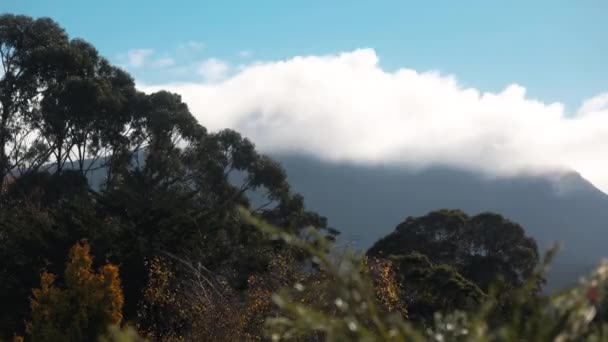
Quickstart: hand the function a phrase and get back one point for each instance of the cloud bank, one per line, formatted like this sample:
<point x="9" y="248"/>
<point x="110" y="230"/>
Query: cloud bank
<point x="345" y="107"/>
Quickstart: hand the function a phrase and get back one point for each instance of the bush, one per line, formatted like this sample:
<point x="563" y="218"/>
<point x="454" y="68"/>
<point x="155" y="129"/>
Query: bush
<point x="83" y="308"/>
<point x="567" y="316"/>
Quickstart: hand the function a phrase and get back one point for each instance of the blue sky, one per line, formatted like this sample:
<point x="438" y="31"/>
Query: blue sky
<point x="529" y="91"/>
<point x="557" y="49"/>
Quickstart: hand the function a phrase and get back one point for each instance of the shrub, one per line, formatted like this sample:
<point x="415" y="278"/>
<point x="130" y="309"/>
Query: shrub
<point x="567" y="316"/>
<point x="83" y="308"/>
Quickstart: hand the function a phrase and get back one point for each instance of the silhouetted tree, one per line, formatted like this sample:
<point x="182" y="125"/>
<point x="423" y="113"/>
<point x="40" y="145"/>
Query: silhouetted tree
<point x="169" y="186"/>
<point x="448" y="260"/>
<point x="485" y="248"/>
<point x="27" y="48"/>
<point x="428" y="288"/>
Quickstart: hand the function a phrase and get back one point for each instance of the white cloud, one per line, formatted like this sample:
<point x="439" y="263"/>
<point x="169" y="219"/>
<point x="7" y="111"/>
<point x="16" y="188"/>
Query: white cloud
<point x="164" y="62"/>
<point x="213" y="69"/>
<point x="245" y="53"/>
<point x="345" y="107"/>
<point x="137" y="57"/>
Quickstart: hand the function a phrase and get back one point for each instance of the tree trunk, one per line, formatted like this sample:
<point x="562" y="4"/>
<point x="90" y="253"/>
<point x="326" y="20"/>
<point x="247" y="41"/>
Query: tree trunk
<point x="3" y="157"/>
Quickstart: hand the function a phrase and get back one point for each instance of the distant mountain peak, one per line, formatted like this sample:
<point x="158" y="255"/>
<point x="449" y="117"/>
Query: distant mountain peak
<point x="572" y="183"/>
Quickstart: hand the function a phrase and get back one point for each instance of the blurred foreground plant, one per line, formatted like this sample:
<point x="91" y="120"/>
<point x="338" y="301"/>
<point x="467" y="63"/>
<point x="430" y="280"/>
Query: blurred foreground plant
<point x="358" y="315"/>
<point x="124" y="334"/>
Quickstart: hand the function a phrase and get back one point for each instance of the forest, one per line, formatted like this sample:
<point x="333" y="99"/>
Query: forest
<point x="193" y="235"/>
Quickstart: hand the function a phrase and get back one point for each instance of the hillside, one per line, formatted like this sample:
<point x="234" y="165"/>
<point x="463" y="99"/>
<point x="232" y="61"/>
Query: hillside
<point x="366" y="203"/>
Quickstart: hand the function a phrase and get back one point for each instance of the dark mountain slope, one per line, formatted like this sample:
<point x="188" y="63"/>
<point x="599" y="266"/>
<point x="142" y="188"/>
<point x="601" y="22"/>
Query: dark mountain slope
<point x="366" y="203"/>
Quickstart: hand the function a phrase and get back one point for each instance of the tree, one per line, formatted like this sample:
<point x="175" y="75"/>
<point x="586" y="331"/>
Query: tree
<point x="183" y="199"/>
<point x="43" y="215"/>
<point x="487" y="249"/>
<point x="27" y="47"/>
<point x="427" y="288"/>
<point x="567" y="316"/>
<point x="170" y="187"/>
<point x="60" y="101"/>
<point x="86" y="107"/>
<point x="84" y="308"/>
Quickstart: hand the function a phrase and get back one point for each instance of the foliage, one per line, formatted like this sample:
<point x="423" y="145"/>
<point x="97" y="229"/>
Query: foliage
<point x="428" y="288"/>
<point x="456" y="260"/>
<point x="124" y="334"/>
<point x="43" y="217"/>
<point x="182" y="302"/>
<point x="86" y="305"/>
<point x="84" y="155"/>
<point x="27" y="48"/>
<point x="387" y="285"/>
<point x="200" y="305"/>
<point x="191" y="217"/>
<point x="569" y="316"/>
<point x="357" y="314"/>
<point x="484" y="248"/>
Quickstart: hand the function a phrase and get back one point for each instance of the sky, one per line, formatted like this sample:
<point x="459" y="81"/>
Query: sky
<point x="501" y="87"/>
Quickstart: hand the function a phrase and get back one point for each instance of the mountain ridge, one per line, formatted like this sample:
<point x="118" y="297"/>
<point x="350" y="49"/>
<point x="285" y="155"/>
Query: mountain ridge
<point x="367" y="202"/>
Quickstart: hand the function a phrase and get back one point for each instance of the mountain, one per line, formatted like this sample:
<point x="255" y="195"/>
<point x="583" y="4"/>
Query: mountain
<point x="367" y="202"/>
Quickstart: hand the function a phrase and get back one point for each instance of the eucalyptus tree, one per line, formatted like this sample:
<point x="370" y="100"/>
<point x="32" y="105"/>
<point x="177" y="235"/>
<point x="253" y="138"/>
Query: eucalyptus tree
<point x="28" y="47"/>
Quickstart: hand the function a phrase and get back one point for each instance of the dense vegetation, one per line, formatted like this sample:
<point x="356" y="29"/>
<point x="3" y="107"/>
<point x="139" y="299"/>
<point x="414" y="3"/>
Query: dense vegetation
<point x="182" y="230"/>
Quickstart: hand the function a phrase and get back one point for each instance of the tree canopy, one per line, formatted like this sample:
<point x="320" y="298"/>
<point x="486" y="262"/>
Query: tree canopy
<point x="484" y="248"/>
<point x="85" y="155"/>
